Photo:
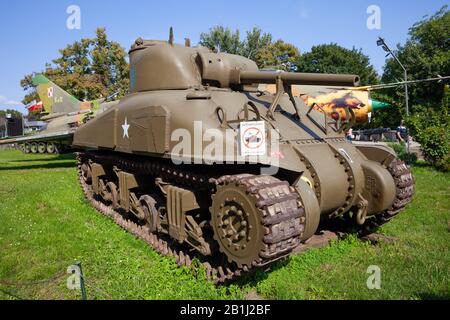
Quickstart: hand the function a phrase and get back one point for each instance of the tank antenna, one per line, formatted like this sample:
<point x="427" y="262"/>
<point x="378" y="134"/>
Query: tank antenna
<point x="171" y="36"/>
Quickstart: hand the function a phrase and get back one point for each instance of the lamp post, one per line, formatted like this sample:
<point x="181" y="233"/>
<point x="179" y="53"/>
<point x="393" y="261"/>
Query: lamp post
<point x="381" y="43"/>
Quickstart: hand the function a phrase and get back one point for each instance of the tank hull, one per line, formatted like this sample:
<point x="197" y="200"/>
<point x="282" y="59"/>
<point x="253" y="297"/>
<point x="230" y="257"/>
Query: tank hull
<point x="326" y="160"/>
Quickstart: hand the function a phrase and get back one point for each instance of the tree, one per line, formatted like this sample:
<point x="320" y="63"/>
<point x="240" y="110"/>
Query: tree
<point x="255" y="41"/>
<point x="221" y="39"/>
<point x="257" y="46"/>
<point x="12" y="112"/>
<point x="279" y="55"/>
<point x="388" y="117"/>
<point x="34" y="115"/>
<point x="332" y="58"/>
<point x="88" y="69"/>
<point x="426" y="54"/>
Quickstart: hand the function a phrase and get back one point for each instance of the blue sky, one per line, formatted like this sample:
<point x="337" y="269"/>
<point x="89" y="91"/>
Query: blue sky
<point x="31" y="32"/>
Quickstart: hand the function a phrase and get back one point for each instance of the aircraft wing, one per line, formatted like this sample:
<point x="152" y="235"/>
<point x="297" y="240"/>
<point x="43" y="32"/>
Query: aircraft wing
<point x="47" y="136"/>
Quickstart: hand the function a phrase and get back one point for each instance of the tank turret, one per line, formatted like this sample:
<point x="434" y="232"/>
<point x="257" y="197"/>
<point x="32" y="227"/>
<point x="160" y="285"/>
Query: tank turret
<point x="159" y="65"/>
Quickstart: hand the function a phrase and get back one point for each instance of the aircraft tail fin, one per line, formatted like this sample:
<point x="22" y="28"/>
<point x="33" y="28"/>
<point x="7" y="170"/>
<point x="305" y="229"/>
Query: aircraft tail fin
<point x="55" y="99"/>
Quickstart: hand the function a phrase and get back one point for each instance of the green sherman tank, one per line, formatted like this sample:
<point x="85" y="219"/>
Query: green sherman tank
<point x="197" y="162"/>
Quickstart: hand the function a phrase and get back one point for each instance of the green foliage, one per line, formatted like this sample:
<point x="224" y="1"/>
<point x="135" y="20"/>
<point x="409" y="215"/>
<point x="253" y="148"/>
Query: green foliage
<point x="255" y="41"/>
<point x="257" y="46"/>
<point x="279" y="55"/>
<point x="332" y="58"/>
<point x="221" y="39"/>
<point x="388" y="117"/>
<point x="35" y="115"/>
<point x="14" y="113"/>
<point x="426" y="54"/>
<point x="434" y="140"/>
<point x="402" y="152"/>
<point x="431" y="128"/>
<point x="88" y="69"/>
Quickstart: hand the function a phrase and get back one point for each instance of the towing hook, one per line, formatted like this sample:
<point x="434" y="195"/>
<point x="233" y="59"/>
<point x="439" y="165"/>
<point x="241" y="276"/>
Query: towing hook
<point x="361" y="215"/>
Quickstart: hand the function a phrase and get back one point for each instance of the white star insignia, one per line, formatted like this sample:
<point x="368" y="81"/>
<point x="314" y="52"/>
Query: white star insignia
<point x="125" y="128"/>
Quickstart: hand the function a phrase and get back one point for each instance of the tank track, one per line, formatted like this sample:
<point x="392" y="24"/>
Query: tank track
<point x="282" y="212"/>
<point x="405" y="185"/>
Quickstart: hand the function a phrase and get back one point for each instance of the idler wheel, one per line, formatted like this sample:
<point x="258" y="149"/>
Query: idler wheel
<point x="237" y="225"/>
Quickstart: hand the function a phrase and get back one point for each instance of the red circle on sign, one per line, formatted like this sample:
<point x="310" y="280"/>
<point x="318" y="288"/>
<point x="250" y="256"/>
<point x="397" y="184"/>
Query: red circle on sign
<point x="247" y="142"/>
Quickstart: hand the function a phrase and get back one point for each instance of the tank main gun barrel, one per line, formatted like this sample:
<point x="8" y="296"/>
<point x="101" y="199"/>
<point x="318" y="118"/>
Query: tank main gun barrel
<point x="238" y="77"/>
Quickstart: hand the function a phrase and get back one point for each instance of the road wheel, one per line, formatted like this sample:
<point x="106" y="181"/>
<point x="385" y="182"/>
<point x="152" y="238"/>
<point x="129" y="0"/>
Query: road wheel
<point x="86" y="173"/>
<point x="111" y="194"/>
<point x="148" y="204"/>
<point x="51" y="147"/>
<point x="41" y="148"/>
<point x="34" y="148"/>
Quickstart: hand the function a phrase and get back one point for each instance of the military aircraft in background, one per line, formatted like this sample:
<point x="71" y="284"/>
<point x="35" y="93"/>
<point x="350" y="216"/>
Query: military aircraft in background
<point x="343" y="103"/>
<point x="63" y="114"/>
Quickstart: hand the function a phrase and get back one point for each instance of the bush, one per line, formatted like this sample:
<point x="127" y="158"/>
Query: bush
<point x="444" y="163"/>
<point x="402" y="153"/>
<point x="432" y="130"/>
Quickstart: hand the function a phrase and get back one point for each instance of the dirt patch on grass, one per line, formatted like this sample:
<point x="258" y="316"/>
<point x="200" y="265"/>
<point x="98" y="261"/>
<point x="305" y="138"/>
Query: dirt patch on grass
<point x="41" y="206"/>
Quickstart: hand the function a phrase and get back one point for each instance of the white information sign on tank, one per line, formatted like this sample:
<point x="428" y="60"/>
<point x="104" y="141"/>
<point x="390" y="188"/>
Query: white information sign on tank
<point x="252" y="138"/>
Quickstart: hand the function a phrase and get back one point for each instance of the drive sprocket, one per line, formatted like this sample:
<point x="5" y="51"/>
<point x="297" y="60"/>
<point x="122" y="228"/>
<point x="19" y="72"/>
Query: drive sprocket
<point x="256" y="219"/>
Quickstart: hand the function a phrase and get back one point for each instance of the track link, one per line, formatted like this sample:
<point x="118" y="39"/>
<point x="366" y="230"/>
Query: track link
<point x="282" y="214"/>
<point x="405" y="185"/>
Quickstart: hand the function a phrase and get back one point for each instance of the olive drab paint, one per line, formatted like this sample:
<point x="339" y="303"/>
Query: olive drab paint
<point x="231" y="208"/>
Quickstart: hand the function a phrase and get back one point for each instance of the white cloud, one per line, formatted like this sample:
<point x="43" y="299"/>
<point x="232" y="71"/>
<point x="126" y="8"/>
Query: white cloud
<point x="5" y="102"/>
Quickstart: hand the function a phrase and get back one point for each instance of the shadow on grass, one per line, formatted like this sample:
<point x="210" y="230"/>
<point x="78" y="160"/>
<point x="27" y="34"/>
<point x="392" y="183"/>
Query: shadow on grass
<point x="11" y="294"/>
<point x="422" y="164"/>
<point x="52" y="165"/>
<point x="258" y="275"/>
<point x="58" y="161"/>
<point x="433" y="296"/>
<point x="34" y="158"/>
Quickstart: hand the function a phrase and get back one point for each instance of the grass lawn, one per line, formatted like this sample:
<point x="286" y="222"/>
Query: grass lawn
<point x="46" y="225"/>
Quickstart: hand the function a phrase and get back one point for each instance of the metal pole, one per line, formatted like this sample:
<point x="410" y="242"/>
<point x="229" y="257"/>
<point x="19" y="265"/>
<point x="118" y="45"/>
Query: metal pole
<point x="23" y="125"/>
<point x="406" y="79"/>
<point x="407" y="110"/>
<point x="82" y="287"/>
<point x="386" y="48"/>
<point x="406" y="94"/>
